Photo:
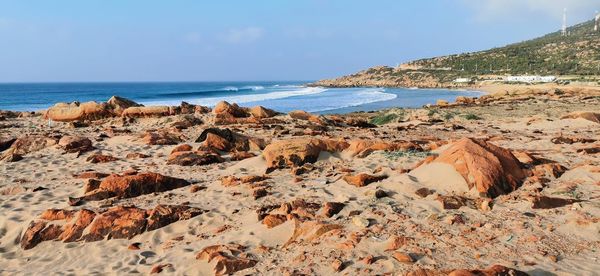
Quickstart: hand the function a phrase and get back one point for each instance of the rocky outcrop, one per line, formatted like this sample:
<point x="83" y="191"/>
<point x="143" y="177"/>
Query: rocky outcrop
<point x="118" y="104"/>
<point x="27" y="144"/>
<point x="115" y="223"/>
<point x="226" y="113"/>
<point x="362" y="148"/>
<point x="148" y="111"/>
<point x="127" y="186"/>
<point x="63" y="112"/>
<point x="490" y="169"/>
<point x="292" y="153"/>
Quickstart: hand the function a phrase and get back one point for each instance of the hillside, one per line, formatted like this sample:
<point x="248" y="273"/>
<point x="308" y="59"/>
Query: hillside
<point x="553" y="54"/>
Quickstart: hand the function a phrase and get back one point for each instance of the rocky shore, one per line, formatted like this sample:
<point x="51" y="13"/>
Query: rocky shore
<point x="504" y="184"/>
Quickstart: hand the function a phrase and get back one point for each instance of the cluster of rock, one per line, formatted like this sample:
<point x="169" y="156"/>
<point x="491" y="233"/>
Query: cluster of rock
<point x="115" y="223"/>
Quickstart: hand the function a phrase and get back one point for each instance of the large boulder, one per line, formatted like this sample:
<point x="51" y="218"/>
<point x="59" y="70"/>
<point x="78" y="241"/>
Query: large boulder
<point x="490" y="169"/>
<point x="193" y="158"/>
<point x="297" y="152"/>
<point x="229" y="141"/>
<point x="64" y="112"/>
<point x="128" y="186"/>
<point x="261" y="112"/>
<point x="115" y="223"/>
<point x="118" y="104"/>
<point x="226" y="109"/>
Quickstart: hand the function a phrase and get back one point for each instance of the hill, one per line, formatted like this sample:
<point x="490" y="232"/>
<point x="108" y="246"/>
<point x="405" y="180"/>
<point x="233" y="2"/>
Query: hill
<point x="553" y="54"/>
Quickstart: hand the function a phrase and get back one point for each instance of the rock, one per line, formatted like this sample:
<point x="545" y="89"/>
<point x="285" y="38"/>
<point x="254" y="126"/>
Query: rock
<point x="161" y="138"/>
<point x="441" y="103"/>
<point x="228" y="258"/>
<point x="148" y="111"/>
<point x="193" y="158"/>
<point x="118" y="104"/>
<point x="128" y="186"/>
<point x="332" y="208"/>
<point x="291" y="153"/>
<point x="63" y="112"/>
<point x="241" y="155"/>
<point x="423" y="192"/>
<point x="495" y="270"/>
<point x="163" y="215"/>
<point x="546" y="202"/>
<point x="260" y="112"/>
<point x="590" y="116"/>
<point x="274" y="220"/>
<point x="363" y="179"/>
<point x="6" y="143"/>
<point x="464" y="100"/>
<point x="71" y="144"/>
<point x="227" y="140"/>
<point x="186" y="122"/>
<point x="100" y="158"/>
<point x="362" y="148"/>
<point x="403" y="258"/>
<point x="91" y="174"/>
<point x="159" y="268"/>
<point x="337" y="265"/>
<point x="134" y="246"/>
<point x="360" y="123"/>
<point x="361" y="222"/>
<point x="491" y="170"/>
<point x="11" y="157"/>
<point x="571" y="140"/>
<point x="452" y="202"/>
<point x="136" y="155"/>
<point x="226" y="109"/>
<point x="258" y="193"/>
<point x="31" y="143"/>
<point x="180" y="148"/>
<point x="396" y="242"/>
<point x="380" y="194"/>
<point x="310" y="231"/>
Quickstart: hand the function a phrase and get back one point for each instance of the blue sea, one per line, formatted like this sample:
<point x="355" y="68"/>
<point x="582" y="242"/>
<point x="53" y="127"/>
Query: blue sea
<point x="281" y="96"/>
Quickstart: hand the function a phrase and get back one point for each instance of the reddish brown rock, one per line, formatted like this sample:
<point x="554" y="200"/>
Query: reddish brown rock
<point x="241" y="155"/>
<point x="546" y="202"/>
<point x="73" y="144"/>
<point x="403" y="257"/>
<point x="228" y="258"/>
<point x="161" y="138"/>
<point x="363" y="179"/>
<point x="332" y="208"/>
<point x="148" y="111"/>
<point x="118" y="104"/>
<point x="31" y="143"/>
<point x="91" y="174"/>
<point x="180" y="148"/>
<point x="127" y="186"/>
<point x="292" y="153"/>
<point x="227" y="140"/>
<point x="136" y="155"/>
<point x="101" y="158"/>
<point x="193" y="158"/>
<point x="490" y="169"/>
<point x="260" y="112"/>
<point x="224" y="108"/>
<point x="362" y="148"/>
<point x="274" y="220"/>
<point x="115" y="223"/>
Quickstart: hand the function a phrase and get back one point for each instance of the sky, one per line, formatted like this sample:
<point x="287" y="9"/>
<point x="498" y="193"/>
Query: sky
<point x="243" y="40"/>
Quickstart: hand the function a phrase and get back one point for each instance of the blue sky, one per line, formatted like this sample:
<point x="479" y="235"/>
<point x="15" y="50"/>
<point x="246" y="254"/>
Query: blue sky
<point x="185" y="40"/>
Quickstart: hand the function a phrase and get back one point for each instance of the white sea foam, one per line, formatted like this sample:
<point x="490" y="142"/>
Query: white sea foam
<point x="240" y="99"/>
<point x="352" y="99"/>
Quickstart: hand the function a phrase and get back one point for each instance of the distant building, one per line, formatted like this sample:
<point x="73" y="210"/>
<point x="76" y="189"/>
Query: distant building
<point x="530" y="79"/>
<point x="462" y="80"/>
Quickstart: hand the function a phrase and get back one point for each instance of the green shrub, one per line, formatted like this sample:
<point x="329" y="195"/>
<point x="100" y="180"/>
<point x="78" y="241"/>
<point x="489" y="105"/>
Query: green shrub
<point x="472" y="116"/>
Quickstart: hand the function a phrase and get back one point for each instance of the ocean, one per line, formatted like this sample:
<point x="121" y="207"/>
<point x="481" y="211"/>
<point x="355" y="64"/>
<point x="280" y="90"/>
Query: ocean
<point x="281" y="96"/>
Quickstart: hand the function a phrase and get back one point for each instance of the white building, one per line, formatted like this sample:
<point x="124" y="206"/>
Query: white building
<point x="530" y="79"/>
<point x="462" y="80"/>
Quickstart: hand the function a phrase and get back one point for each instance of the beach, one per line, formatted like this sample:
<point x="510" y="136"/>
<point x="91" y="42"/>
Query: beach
<point x="117" y="188"/>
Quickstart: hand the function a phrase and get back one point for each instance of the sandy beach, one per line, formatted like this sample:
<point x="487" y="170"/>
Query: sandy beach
<point x="114" y="189"/>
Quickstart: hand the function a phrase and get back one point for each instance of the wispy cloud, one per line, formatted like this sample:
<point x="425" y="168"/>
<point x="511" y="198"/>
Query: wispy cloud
<point x="243" y="35"/>
<point x="497" y="9"/>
